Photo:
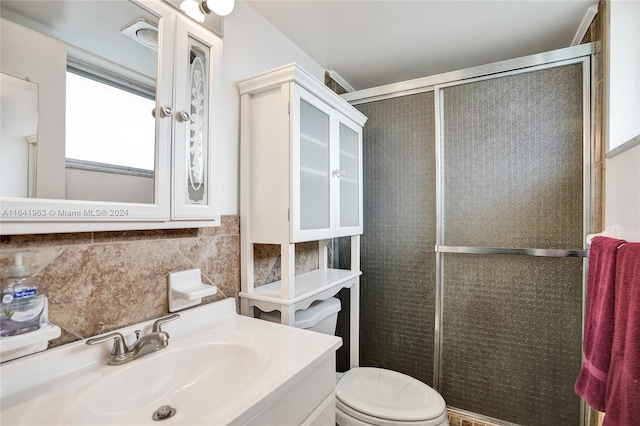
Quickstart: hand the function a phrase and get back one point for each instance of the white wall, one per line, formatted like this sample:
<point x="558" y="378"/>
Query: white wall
<point x="623" y="193"/>
<point x="251" y="46"/>
<point x="624" y="71"/>
<point x="622" y="166"/>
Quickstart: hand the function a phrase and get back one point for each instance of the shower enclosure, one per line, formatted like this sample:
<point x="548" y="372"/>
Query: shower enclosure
<point x="476" y="192"/>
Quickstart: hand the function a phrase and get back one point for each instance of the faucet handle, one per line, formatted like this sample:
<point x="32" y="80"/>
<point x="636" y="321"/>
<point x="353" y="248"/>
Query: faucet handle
<point x="160" y="321"/>
<point x="119" y="345"/>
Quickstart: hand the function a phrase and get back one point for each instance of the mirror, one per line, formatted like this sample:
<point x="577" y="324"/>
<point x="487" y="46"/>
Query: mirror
<point x="79" y="78"/>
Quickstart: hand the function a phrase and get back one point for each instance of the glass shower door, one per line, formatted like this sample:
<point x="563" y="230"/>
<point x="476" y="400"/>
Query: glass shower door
<point x="397" y="258"/>
<point x="510" y="238"/>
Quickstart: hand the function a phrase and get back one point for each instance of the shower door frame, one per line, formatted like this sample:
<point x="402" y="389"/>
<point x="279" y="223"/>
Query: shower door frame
<point x="552" y="60"/>
<point x="574" y="54"/>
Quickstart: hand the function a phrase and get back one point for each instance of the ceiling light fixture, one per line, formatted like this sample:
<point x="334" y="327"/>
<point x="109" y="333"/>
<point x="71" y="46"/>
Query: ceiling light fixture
<point x="219" y="7"/>
<point x="192" y="9"/>
<point x="198" y="10"/>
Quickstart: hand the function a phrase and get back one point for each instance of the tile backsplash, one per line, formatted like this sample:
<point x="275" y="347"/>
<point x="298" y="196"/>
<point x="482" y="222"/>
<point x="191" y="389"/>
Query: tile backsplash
<point x="266" y="259"/>
<point x="101" y="281"/>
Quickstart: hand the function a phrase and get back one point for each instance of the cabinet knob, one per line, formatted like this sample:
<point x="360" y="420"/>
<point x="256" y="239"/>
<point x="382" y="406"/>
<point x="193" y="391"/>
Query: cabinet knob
<point x="165" y="111"/>
<point x="182" y="116"/>
<point x="338" y="173"/>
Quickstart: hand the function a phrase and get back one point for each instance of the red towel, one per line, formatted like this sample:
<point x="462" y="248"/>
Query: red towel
<point x="598" y="330"/>
<point x="622" y="405"/>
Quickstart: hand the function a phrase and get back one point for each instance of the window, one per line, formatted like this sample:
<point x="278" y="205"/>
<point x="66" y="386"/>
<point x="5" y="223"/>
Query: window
<point x="109" y="125"/>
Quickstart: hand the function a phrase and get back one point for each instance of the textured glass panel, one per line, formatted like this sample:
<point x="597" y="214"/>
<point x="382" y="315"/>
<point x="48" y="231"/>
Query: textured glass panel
<point x="397" y="256"/>
<point x="350" y="180"/>
<point x="511" y="337"/>
<point x="314" y="167"/>
<point x="512" y="153"/>
<point x="512" y="177"/>
<point x="198" y="129"/>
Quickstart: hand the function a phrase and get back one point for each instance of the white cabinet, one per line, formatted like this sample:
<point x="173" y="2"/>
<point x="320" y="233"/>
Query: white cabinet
<point x="301" y="159"/>
<point x="301" y="180"/>
<point x="187" y="93"/>
<point x="182" y="77"/>
<point x="326" y="177"/>
<point x="196" y="73"/>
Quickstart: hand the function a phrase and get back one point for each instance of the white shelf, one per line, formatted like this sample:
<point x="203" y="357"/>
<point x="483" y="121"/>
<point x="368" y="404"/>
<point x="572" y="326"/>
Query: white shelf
<point x="12" y="347"/>
<point x="307" y="286"/>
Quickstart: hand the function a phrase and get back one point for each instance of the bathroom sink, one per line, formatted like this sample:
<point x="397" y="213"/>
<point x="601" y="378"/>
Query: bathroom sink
<point x="219" y="368"/>
<point x="178" y="378"/>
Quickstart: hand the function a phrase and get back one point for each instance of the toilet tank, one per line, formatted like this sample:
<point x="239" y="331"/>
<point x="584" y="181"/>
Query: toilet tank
<point x="321" y="316"/>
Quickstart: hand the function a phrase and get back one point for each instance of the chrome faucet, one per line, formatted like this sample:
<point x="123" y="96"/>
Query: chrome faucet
<point x="152" y="342"/>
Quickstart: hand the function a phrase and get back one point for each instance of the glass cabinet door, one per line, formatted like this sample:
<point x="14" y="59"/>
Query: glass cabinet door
<point x="349" y="179"/>
<point x="326" y="180"/>
<point x="311" y="168"/>
<point x="196" y="63"/>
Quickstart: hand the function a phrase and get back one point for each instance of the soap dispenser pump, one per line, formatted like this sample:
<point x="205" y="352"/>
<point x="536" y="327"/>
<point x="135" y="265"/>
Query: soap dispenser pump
<point x="22" y="303"/>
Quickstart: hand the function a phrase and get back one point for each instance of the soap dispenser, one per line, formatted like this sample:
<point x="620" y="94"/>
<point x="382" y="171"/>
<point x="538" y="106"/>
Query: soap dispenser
<point x="22" y="301"/>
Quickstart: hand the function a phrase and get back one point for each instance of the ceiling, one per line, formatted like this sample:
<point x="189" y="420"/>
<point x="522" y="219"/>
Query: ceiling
<point x="372" y="43"/>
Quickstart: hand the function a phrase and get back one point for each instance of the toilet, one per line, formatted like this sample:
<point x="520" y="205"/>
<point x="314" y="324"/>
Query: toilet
<point x="368" y="395"/>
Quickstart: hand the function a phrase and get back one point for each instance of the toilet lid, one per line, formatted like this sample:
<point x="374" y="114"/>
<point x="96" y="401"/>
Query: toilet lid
<point x="390" y="395"/>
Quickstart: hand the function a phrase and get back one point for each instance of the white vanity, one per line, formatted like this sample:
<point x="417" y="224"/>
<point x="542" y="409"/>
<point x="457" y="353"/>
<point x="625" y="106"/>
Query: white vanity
<point x="219" y="368"/>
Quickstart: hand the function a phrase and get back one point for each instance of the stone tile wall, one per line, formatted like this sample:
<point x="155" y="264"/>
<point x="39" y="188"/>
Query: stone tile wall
<point x="595" y="34"/>
<point x="333" y="85"/>
<point x="266" y="259"/>
<point x="101" y="281"/>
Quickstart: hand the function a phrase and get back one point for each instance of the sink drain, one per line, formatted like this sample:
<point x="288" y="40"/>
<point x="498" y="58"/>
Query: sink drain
<point x="163" y="413"/>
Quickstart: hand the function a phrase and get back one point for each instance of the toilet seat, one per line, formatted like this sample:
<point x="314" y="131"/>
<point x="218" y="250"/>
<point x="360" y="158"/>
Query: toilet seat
<point x="346" y="416"/>
<point x="383" y="397"/>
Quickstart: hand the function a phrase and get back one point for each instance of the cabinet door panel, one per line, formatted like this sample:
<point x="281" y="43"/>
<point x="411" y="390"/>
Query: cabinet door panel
<point x="350" y="180"/>
<point x="312" y="202"/>
<point x="197" y="70"/>
<point x="314" y="168"/>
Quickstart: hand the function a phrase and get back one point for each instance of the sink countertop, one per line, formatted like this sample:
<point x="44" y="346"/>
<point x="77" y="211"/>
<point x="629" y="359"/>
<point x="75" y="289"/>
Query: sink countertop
<point x="46" y="388"/>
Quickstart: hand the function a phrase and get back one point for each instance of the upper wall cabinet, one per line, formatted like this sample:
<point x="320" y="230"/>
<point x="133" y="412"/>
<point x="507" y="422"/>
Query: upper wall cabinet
<point x="301" y="159"/>
<point x="197" y="71"/>
<point x="122" y="133"/>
